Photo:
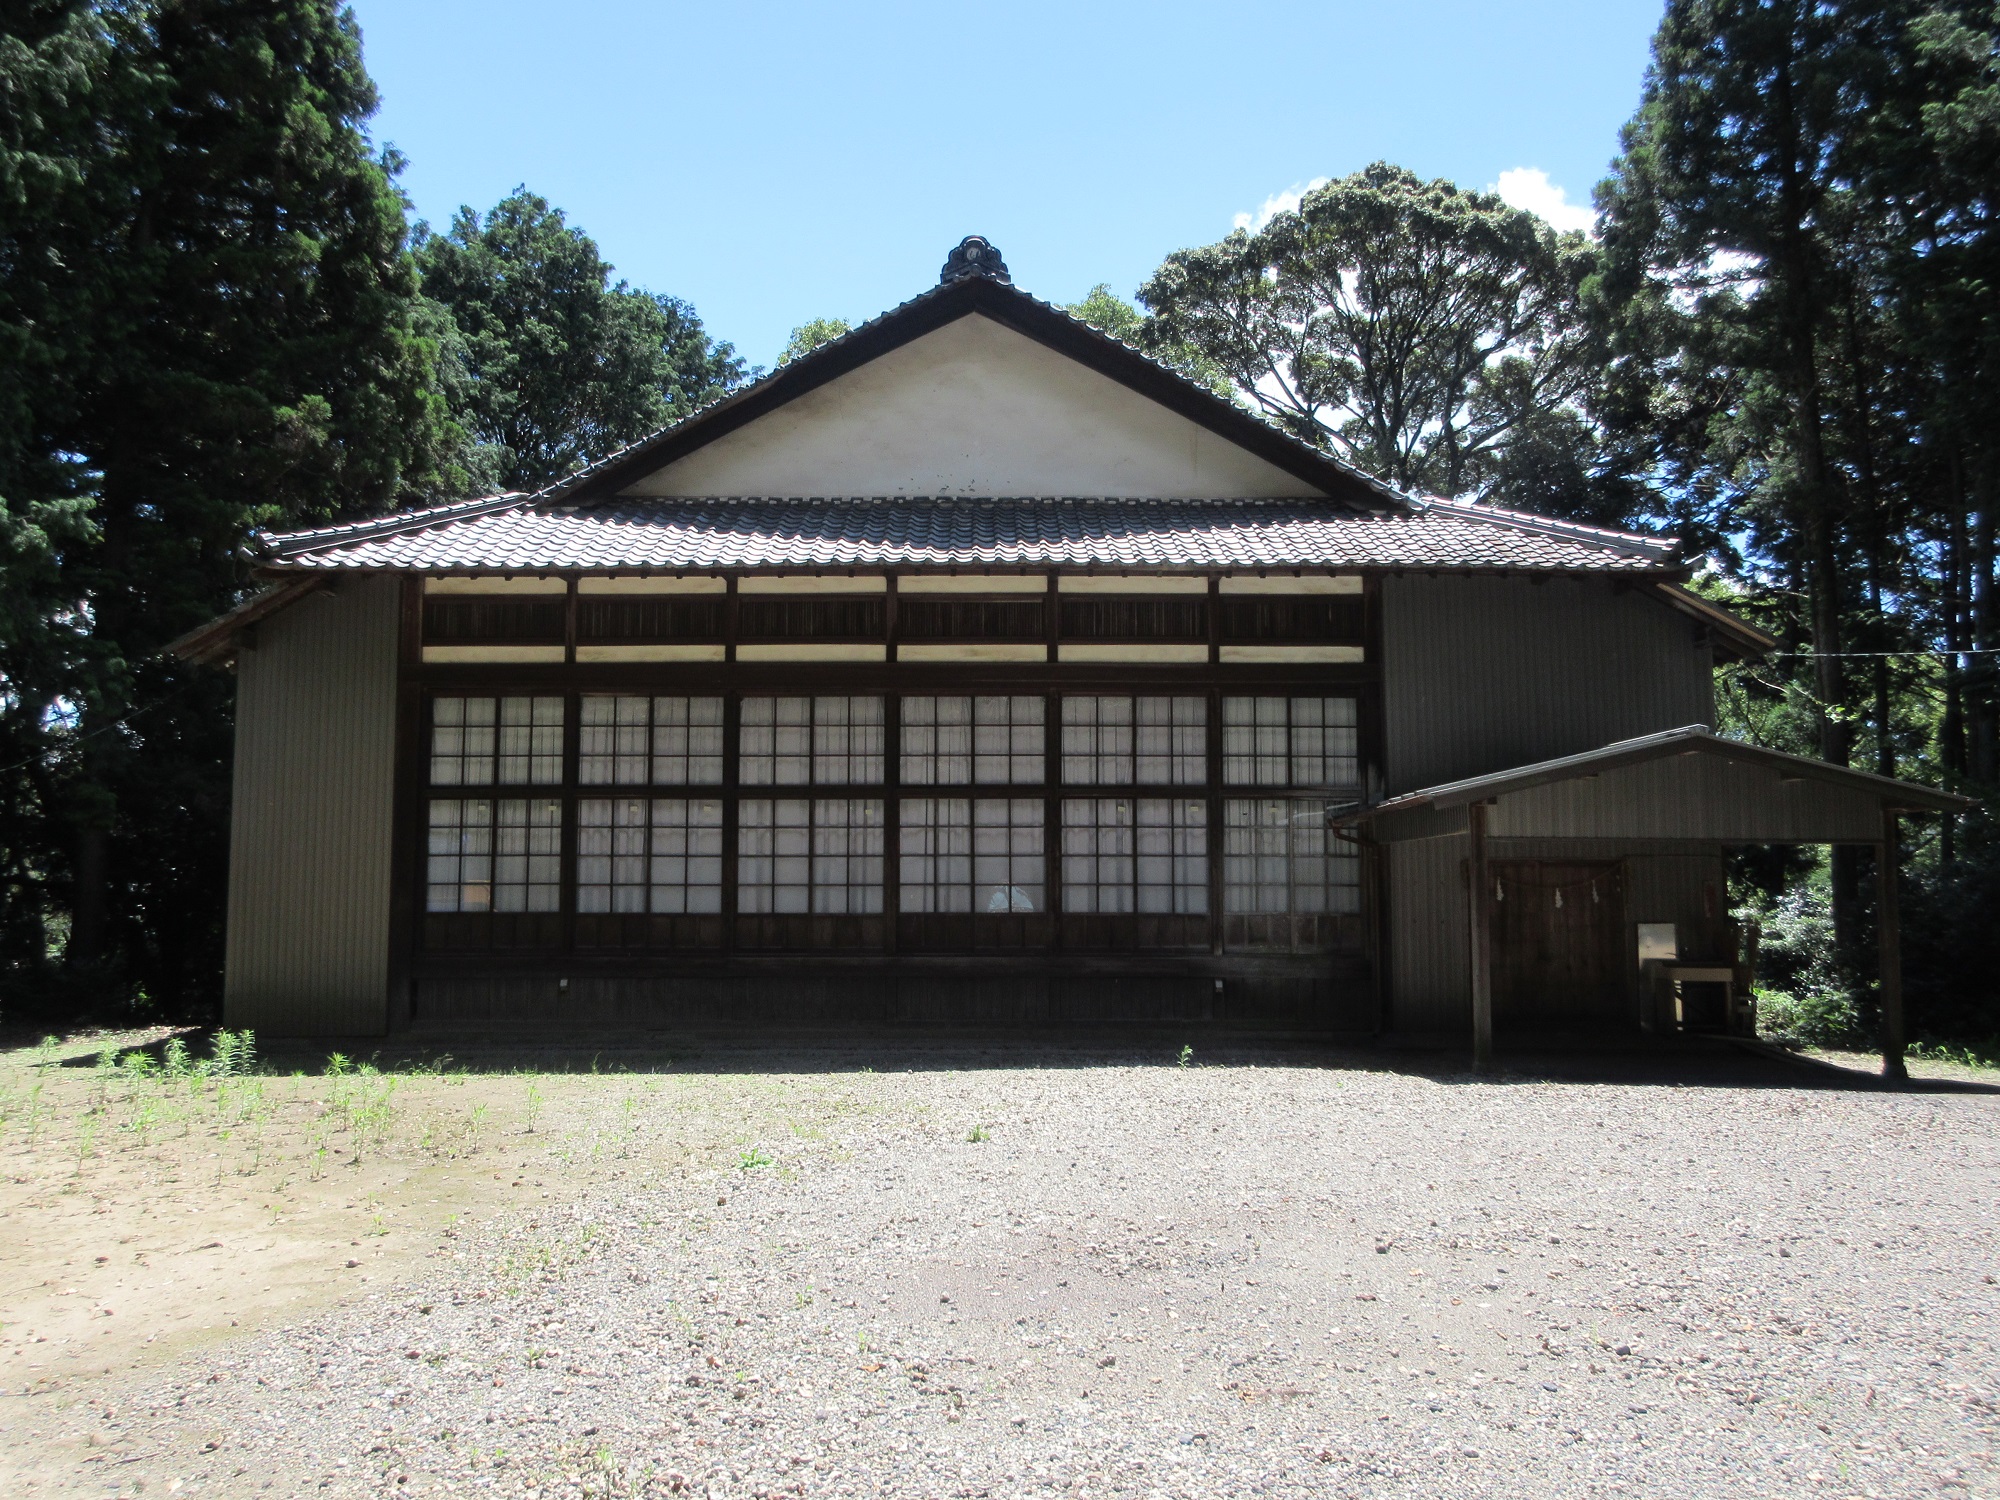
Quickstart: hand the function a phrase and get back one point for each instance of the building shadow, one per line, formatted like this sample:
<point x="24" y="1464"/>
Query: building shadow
<point x="1635" y="1061"/>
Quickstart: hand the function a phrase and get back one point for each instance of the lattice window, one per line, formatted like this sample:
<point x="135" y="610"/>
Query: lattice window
<point x="1290" y="742"/>
<point x="826" y="741"/>
<point x="1090" y="619"/>
<point x="783" y="619"/>
<point x="649" y="854"/>
<point x="631" y="740"/>
<point x="970" y="619"/>
<point x="1119" y="741"/>
<point x="972" y="854"/>
<point x="1007" y="854"/>
<point x="819" y="854"/>
<point x="648" y="619"/>
<point x="1278" y="858"/>
<point x="496" y="741"/>
<point x="988" y="741"/>
<point x="936" y="854"/>
<point x="1134" y="854"/>
<point x="1340" y="617"/>
<point x="494" y="854"/>
<point x="477" y="620"/>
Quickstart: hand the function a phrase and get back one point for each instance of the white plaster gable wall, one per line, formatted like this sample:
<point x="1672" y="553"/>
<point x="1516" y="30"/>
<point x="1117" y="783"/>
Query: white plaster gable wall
<point x="973" y="408"/>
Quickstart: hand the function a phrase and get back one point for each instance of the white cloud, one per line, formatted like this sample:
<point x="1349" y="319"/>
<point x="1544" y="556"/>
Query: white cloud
<point x="1530" y="188"/>
<point x="1278" y="203"/>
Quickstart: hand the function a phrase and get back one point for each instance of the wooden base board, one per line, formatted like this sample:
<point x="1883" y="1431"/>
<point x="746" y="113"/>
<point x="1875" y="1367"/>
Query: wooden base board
<point x="1023" y="1002"/>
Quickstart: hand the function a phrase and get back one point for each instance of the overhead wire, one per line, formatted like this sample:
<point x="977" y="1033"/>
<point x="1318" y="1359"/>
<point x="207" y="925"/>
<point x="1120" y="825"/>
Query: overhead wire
<point x="118" y="723"/>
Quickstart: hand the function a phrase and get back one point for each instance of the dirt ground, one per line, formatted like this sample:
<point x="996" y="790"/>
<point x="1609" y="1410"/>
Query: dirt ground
<point x="993" y="1270"/>
<point x="146" y="1217"/>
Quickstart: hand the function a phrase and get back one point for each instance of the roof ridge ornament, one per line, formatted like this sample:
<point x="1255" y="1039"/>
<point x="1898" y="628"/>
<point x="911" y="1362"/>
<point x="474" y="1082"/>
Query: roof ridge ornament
<point x="974" y="255"/>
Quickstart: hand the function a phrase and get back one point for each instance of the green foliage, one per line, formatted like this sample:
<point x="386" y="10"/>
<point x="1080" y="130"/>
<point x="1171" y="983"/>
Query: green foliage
<point x="1428" y="334"/>
<point x="234" y="1054"/>
<point x="1796" y="945"/>
<point x="755" y="1157"/>
<point x="207" y="322"/>
<point x="548" y="364"/>
<point x="211" y="320"/>
<point x="809" y="336"/>
<point x="977" y="1134"/>
<point x="1951" y="942"/>
<point x="1802" y="995"/>
<point x="1820" y="1020"/>
<point x="1985" y="1056"/>
<point x="1109" y="313"/>
<point x="1800" y="290"/>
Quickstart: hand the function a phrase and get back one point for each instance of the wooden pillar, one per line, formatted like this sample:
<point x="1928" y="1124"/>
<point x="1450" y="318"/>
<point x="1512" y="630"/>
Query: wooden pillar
<point x="1481" y="894"/>
<point x="1889" y="947"/>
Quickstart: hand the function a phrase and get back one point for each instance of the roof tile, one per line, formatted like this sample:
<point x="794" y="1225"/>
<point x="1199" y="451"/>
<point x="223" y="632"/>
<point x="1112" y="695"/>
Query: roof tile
<point x="710" y="534"/>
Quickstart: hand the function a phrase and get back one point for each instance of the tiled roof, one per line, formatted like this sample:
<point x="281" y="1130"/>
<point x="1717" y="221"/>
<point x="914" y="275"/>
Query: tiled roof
<point x="516" y="534"/>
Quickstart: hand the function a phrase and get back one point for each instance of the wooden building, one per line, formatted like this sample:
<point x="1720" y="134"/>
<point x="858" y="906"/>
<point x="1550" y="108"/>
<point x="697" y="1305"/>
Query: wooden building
<point x="972" y="669"/>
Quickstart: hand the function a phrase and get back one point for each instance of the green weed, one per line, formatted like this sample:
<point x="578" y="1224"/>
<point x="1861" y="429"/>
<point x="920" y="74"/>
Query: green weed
<point x="1986" y="1058"/>
<point x="234" y="1054"/>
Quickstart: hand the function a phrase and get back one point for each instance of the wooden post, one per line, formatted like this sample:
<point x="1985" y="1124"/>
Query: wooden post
<point x="1482" y="939"/>
<point x="1889" y="947"/>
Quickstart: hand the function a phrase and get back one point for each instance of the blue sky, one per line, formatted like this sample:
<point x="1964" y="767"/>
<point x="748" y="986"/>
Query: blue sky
<point x="775" y="162"/>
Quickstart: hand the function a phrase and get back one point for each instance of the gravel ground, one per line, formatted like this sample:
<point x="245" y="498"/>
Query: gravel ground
<point x="1274" y="1276"/>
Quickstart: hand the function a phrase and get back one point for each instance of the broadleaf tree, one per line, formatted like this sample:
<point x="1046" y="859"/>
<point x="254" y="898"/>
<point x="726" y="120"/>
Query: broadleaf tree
<point x="1416" y="329"/>
<point x="1109" y="313"/>
<point x="810" y="335"/>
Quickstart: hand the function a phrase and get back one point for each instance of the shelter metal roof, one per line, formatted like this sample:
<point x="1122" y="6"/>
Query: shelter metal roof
<point x="1689" y="783"/>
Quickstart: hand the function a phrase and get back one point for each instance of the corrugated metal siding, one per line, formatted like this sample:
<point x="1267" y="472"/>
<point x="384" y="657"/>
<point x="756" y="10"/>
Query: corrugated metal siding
<point x="1663" y="883"/>
<point x="310" y="837"/>
<point x="1430" y="953"/>
<point x="1671" y="888"/>
<point x="1693" y="797"/>
<point x="1429" y="914"/>
<point x="1481" y="674"/>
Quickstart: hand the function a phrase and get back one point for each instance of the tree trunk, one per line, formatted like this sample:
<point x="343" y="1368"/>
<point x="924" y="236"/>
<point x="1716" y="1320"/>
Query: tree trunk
<point x="87" y="946"/>
<point x="1880" y="531"/>
<point x="1982" y="708"/>
<point x="1953" y="578"/>
<point x="1812" y="502"/>
<point x="1885" y="739"/>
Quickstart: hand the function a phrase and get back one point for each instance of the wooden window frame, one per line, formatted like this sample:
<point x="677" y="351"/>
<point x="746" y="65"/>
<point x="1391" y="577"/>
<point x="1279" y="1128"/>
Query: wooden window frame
<point x="1047" y="935"/>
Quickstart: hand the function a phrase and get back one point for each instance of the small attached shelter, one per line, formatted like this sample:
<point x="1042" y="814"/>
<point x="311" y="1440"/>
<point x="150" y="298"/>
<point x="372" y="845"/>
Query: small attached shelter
<point x="1585" y="885"/>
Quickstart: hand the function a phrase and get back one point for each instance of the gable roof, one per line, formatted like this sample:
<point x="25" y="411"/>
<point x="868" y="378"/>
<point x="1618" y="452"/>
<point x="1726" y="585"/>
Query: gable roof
<point x="1028" y="316"/>
<point x="585" y="523"/>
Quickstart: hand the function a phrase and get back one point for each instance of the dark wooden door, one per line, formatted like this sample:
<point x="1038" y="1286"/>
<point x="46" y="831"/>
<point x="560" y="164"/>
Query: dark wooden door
<point x="1558" y="942"/>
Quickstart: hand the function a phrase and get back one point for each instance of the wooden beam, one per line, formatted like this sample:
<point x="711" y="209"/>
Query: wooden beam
<point x="1482" y="939"/>
<point x="409" y="811"/>
<point x="1889" y="947"/>
<point x="892" y="798"/>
